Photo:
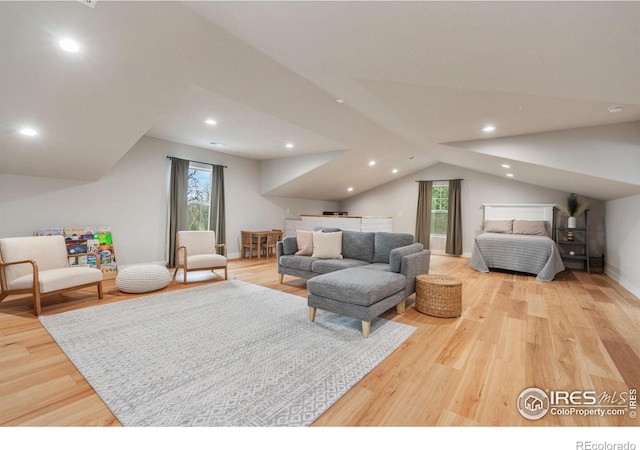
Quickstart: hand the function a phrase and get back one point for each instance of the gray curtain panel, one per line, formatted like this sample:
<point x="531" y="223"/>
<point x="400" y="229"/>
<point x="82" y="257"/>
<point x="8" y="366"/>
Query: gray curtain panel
<point x="217" y="215"/>
<point x="423" y="216"/>
<point x="177" y="203"/>
<point x="454" y="223"/>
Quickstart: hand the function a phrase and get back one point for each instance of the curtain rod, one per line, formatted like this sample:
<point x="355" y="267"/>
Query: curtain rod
<point x="199" y="162"/>
<point x="450" y="179"/>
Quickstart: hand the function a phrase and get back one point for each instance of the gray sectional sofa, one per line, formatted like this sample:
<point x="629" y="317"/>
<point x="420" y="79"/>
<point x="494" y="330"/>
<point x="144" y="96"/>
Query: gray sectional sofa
<point x="390" y="252"/>
<point x="377" y="271"/>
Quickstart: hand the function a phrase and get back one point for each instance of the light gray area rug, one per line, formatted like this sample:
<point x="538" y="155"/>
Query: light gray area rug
<point x="226" y="354"/>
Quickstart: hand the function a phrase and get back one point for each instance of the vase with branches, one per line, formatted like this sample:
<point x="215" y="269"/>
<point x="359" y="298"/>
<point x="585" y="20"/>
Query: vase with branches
<point x="572" y="209"/>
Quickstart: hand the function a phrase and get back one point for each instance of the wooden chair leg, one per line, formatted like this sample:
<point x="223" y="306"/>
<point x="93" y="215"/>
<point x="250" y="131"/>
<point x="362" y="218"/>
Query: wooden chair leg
<point x="312" y="314"/>
<point x="175" y="272"/>
<point x="100" y="292"/>
<point x="36" y="302"/>
<point x="225" y="272"/>
<point x="281" y="277"/>
<point x="366" y="326"/>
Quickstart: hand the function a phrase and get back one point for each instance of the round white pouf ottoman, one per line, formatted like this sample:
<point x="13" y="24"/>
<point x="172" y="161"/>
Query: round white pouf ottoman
<point x="142" y="278"/>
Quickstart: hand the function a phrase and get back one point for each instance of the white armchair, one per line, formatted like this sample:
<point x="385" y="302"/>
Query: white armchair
<point x="39" y="265"/>
<point x="197" y="250"/>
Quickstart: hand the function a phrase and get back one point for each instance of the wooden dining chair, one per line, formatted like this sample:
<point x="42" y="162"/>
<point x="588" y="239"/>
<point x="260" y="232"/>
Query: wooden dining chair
<point x="272" y="239"/>
<point x="248" y="243"/>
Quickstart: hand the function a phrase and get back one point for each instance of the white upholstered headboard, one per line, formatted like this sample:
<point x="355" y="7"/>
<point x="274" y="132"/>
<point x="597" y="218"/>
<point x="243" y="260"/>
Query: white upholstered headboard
<point x="518" y="211"/>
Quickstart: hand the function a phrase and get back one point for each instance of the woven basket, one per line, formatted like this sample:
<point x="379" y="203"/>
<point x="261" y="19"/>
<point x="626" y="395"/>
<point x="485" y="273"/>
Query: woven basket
<point x="438" y="295"/>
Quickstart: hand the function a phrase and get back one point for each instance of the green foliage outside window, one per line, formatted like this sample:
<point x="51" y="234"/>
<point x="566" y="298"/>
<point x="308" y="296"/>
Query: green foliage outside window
<point x="198" y="195"/>
<point x="439" y="209"/>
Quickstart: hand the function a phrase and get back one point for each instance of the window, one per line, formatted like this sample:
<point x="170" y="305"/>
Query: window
<point x="198" y="195"/>
<point x="439" y="209"/>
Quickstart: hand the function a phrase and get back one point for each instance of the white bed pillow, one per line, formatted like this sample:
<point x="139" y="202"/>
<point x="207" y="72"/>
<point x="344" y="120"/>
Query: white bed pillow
<point x="531" y="227"/>
<point x="498" y="226"/>
<point x="327" y="245"/>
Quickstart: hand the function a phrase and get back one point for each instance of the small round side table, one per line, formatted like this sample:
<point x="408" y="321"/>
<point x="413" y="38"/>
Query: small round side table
<point x="438" y="295"/>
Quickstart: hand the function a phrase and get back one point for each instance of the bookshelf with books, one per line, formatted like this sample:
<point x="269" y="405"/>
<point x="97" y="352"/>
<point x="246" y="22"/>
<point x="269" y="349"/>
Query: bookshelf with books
<point x="85" y="245"/>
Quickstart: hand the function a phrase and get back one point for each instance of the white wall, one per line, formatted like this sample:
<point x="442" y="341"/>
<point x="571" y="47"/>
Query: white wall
<point x="132" y="198"/>
<point x="399" y="199"/>
<point x="623" y="242"/>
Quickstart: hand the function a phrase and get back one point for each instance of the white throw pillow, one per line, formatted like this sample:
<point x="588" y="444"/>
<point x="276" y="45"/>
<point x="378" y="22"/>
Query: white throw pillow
<point x="327" y="245"/>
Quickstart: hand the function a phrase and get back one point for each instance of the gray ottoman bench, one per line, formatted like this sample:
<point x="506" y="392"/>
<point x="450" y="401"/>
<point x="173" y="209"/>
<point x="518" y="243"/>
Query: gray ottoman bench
<point x="357" y="292"/>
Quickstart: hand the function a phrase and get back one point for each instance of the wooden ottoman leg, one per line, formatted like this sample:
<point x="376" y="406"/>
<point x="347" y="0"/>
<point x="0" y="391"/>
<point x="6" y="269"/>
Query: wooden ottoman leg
<point x="312" y="314"/>
<point x="366" y="326"/>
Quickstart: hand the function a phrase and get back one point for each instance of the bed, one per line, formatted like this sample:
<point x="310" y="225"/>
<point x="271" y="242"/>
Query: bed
<point x="518" y="238"/>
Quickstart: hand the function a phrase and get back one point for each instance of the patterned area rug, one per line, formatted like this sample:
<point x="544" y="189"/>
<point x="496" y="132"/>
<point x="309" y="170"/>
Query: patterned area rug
<point x="226" y="354"/>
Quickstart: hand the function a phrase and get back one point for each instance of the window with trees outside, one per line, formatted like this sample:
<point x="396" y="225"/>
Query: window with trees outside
<point x="198" y="197"/>
<point x="439" y="209"/>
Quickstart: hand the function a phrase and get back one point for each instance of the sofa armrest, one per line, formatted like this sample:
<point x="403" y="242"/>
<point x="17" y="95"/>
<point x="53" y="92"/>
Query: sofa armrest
<point x="396" y="255"/>
<point x="413" y="265"/>
<point x="3" y="276"/>
<point x="222" y="247"/>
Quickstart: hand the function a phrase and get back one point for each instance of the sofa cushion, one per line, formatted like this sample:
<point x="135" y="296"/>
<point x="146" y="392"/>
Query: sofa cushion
<point x="331" y="265"/>
<point x="296" y="262"/>
<point x="56" y="279"/>
<point x="357" y="285"/>
<point x="378" y="266"/>
<point x="395" y="256"/>
<point x="327" y="245"/>
<point x="385" y="242"/>
<point x="304" y="241"/>
<point x="358" y="245"/>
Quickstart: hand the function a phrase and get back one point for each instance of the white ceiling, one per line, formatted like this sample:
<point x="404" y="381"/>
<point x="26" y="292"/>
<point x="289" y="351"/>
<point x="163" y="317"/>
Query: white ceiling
<point x="419" y="81"/>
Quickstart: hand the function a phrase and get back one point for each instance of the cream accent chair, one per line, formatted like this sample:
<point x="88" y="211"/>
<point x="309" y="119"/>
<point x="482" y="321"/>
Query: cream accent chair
<point x="39" y="265"/>
<point x="197" y="250"/>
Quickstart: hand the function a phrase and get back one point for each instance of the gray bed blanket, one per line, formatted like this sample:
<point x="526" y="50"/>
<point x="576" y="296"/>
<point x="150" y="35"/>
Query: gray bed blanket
<point x="521" y="253"/>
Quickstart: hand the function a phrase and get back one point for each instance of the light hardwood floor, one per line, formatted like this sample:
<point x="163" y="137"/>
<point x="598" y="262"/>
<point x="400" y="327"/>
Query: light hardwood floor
<point x="578" y="332"/>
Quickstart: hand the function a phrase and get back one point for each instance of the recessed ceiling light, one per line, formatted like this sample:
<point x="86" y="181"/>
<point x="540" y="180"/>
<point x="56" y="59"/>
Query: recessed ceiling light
<point x="411" y="158"/>
<point x="394" y="171"/>
<point x="506" y="166"/>
<point x="69" y="45"/>
<point x="28" y="132"/>
<point x="339" y="100"/>
<point x="349" y="189"/>
<point x="510" y="175"/>
<point x="615" y="108"/>
<point x="372" y="163"/>
<point x="489" y="129"/>
<point x="210" y="122"/>
<point x="217" y="143"/>
<point x="289" y="145"/>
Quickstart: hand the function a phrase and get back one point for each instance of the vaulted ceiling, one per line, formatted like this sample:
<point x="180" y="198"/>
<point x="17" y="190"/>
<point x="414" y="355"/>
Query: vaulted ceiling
<point x="418" y="82"/>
